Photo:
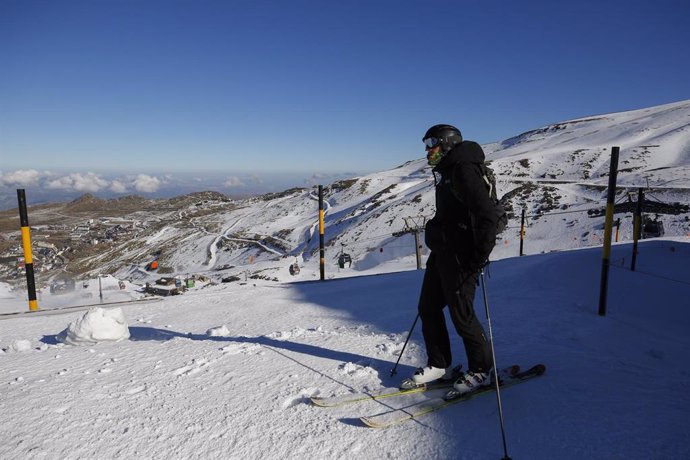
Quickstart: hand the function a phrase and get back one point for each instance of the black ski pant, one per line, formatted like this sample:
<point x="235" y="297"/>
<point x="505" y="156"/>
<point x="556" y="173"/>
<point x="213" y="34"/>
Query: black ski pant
<point x="447" y="282"/>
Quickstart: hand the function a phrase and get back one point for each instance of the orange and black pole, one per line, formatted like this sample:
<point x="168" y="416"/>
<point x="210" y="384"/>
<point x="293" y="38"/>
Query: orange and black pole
<point x="28" y="258"/>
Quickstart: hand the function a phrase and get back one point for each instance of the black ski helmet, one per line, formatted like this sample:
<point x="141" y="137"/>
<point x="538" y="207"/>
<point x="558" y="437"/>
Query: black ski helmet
<point x="446" y="135"/>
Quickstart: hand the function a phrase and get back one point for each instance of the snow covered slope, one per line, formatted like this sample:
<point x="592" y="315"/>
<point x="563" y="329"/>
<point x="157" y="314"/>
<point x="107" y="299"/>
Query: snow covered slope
<point x="654" y="142"/>
<point x="226" y="372"/>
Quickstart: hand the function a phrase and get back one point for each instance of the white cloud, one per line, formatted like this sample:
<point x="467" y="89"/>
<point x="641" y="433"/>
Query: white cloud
<point x="21" y="177"/>
<point x="147" y="184"/>
<point x="233" y="182"/>
<point x="88" y="182"/>
<point x="117" y="186"/>
<point x="62" y="183"/>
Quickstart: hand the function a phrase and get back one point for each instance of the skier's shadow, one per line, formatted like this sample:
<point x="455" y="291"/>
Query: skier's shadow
<point x="138" y="333"/>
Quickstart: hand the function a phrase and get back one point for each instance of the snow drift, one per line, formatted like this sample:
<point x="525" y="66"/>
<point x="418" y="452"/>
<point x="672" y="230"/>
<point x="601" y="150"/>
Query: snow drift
<point x="97" y="325"/>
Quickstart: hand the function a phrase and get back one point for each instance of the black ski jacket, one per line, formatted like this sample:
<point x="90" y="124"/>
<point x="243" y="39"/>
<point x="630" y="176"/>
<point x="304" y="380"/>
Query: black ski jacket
<point x="465" y="220"/>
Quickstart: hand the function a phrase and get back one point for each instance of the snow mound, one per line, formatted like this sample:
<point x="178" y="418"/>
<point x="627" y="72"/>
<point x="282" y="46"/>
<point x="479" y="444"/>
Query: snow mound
<point x="20" y="345"/>
<point x="97" y="325"/>
<point x="220" y="331"/>
<point x="356" y="370"/>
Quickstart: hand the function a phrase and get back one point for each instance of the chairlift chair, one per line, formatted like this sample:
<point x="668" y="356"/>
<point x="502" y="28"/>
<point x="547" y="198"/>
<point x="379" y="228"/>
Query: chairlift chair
<point x="652" y="228"/>
<point x="343" y="259"/>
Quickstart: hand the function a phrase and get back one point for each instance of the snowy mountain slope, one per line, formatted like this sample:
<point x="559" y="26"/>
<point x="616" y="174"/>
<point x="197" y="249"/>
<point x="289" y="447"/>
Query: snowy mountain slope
<point x="615" y="387"/>
<point x="361" y="216"/>
<point x="556" y="174"/>
<point x="650" y="139"/>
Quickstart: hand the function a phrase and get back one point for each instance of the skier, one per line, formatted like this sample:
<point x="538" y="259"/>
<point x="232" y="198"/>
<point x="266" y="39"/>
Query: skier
<point x="460" y="236"/>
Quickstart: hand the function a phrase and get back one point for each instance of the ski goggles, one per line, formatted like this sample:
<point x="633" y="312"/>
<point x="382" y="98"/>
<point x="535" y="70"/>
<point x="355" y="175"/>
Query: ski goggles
<point x="431" y="142"/>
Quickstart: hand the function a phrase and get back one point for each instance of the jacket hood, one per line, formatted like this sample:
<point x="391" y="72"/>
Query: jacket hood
<point x="464" y="152"/>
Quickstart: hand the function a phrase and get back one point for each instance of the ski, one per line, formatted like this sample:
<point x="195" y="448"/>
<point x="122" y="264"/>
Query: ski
<point x="394" y="417"/>
<point x="341" y="400"/>
<point x="351" y="398"/>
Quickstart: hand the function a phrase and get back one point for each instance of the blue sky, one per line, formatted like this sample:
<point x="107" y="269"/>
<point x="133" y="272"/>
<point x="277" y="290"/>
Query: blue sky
<point x="304" y="88"/>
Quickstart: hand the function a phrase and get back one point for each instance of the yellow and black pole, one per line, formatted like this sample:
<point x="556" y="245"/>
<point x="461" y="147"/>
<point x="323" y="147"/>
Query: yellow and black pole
<point x="28" y="258"/>
<point x="608" y="230"/>
<point x="322" y="255"/>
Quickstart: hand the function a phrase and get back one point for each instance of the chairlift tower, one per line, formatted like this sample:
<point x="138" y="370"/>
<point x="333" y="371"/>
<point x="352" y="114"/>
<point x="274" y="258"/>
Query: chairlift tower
<point x="414" y="225"/>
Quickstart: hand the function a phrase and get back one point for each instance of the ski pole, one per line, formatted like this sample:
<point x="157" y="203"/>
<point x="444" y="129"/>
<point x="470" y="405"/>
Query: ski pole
<point x="394" y="370"/>
<point x="493" y="357"/>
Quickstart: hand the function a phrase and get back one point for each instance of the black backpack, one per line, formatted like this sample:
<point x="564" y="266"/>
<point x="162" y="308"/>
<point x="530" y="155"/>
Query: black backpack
<point x="490" y="179"/>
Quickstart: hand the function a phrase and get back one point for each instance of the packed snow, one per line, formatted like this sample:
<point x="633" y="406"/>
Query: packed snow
<point x="227" y="371"/>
